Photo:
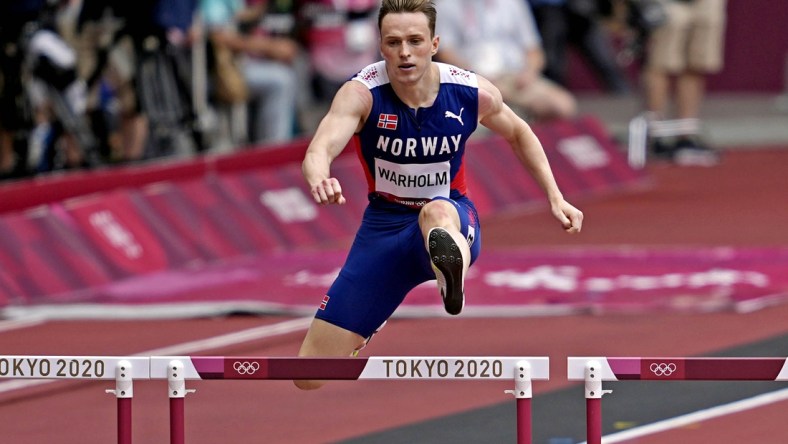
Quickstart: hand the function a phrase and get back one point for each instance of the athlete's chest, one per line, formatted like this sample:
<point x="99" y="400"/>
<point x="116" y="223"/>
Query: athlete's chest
<point x="434" y="133"/>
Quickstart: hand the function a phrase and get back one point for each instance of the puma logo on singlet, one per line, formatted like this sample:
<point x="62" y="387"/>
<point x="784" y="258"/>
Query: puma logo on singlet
<point x="451" y="115"/>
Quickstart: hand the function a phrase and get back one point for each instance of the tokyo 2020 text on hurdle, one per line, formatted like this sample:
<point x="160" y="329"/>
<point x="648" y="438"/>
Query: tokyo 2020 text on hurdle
<point x="177" y="369"/>
<point x="522" y="370"/>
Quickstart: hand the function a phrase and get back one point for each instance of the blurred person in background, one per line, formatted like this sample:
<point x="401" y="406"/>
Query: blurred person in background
<point x="499" y="40"/>
<point x="15" y="113"/>
<point x="680" y="54"/>
<point x="167" y="79"/>
<point x="44" y="100"/>
<point x="279" y="19"/>
<point x="576" y="23"/>
<point x="135" y="58"/>
<point x="270" y="60"/>
<point x="109" y="33"/>
<point x="341" y="39"/>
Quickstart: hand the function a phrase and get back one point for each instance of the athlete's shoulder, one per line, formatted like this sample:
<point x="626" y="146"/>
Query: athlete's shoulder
<point x="453" y="74"/>
<point x="373" y="75"/>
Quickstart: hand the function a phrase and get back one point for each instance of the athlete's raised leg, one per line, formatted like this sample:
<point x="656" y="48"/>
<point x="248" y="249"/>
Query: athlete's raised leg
<point x="449" y="252"/>
<point x="326" y="339"/>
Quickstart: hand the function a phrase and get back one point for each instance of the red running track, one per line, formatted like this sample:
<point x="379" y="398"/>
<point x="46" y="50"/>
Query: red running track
<point x="740" y="203"/>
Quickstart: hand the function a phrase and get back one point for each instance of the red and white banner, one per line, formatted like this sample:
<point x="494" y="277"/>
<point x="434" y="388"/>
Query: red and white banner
<point x="240" y="228"/>
<point x="512" y="283"/>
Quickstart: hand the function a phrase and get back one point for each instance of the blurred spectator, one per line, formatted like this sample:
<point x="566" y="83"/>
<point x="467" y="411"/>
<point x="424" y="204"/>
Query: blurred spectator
<point x="109" y="34"/>
<point x="499" y="40"/>
<point x="636" y="20"/>
<point x="341" y="37"/>
<point x="44" y="103"/>
<point x="269" y="61"/>
<point x="576" y="22"/>
<point x="14" y="120"/>
<point x="687" y="48"/>
<point x="62" y="137"/>
<point x="279" y="19"/>
<point x="135" y="53"/>
<point x="165" y="80"/>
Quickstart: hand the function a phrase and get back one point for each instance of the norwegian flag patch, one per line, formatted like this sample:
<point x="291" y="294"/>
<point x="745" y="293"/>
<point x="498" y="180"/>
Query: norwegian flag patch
<point x="325" y="302"/>
<point x="387" y="121"/>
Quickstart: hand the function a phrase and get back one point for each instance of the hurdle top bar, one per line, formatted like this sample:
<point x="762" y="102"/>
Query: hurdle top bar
<point x="390" y="368"/>
<point x="72" y="367"/>
<point x="679" y="369"/>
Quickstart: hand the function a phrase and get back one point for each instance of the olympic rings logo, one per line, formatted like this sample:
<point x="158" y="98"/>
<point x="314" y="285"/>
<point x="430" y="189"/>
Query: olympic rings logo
<point x="246" y="368"/>
<point x="662" y="369"/>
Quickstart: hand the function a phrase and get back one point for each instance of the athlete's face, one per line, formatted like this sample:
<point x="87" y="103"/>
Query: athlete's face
<point x="407" y="46"/>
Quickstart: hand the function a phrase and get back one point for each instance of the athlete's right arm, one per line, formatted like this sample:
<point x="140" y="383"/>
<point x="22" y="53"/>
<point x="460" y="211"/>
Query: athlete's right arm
<point x="348" y="112"/>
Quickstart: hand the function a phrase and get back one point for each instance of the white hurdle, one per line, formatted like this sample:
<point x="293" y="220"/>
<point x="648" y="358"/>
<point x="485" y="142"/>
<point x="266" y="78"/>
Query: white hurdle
<point x="124" y="370"/>
<point x="644" y="126"/>
<point x="595" y="370"/>
<point x="177" y="369"/>
<point x="520" y="369"/>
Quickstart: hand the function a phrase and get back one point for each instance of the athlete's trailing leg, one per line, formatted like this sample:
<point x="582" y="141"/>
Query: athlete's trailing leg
<point x="326" y="339"/>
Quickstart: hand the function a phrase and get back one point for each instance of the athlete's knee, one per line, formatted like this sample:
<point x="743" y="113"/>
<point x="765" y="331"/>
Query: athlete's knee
<point x="439" y="213"/>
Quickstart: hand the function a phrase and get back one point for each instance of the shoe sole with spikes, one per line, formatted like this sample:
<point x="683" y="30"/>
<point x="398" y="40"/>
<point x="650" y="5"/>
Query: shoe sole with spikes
<point x="447" y="261"/>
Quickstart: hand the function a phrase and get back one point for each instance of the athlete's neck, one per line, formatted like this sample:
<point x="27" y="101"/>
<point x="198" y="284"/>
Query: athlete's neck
<point x="422" y="93"/>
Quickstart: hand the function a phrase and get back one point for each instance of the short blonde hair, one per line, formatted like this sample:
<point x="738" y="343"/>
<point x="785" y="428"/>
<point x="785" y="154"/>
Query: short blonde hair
<point x="427" y="7"/>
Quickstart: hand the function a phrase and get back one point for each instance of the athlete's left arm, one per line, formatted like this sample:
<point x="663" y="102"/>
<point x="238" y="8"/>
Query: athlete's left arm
<point x="498" y="117"/>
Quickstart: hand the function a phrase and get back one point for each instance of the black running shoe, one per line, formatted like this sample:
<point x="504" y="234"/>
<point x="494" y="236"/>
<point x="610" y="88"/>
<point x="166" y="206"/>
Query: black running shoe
<point x="690" y="152"/>
<point x="447" y="261"/>
<point x="662" y="149"/>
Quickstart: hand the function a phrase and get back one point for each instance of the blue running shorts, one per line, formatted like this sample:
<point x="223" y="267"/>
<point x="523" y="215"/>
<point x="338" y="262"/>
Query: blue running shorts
<point x="387" y="260"/>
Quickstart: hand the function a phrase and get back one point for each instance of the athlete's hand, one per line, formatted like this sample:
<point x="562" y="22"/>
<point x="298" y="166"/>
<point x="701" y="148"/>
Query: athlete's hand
<point x="328" y="191"/>
<point x="570" y="217"/>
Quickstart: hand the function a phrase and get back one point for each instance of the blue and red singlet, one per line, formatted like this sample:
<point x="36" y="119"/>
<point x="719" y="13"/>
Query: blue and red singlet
<point x="410" y="157"/>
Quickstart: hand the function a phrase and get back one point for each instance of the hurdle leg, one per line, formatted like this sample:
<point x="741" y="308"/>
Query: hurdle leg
<point x="177" y="392"/>
<point x="124" y="421"/>
<point x="523" y="392"/>
<point x="594" y="420"/>
<point x="638" y="136"/>
<point x="124" y="391"/>
<point x="594" y="393"/>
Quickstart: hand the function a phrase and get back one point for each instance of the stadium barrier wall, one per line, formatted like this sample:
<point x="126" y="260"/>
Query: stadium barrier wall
<point x="81" y="233"/>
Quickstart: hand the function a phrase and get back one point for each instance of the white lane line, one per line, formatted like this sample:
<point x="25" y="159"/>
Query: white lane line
<point x="698" y="416"/>
<point x="200" y="345"/>
<point x="239" y="337"/>
<point x="17" y="324"/>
